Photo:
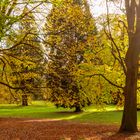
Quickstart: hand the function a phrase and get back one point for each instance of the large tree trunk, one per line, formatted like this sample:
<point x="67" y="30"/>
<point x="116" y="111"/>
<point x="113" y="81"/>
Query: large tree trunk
<point x="129" y="120"/>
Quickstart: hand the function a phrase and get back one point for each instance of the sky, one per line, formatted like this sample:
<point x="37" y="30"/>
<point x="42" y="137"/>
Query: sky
<point x="98" y="7"/>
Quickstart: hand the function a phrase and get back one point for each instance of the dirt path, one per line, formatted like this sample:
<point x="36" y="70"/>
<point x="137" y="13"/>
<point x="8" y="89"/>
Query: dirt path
<point x="44" y="129"/>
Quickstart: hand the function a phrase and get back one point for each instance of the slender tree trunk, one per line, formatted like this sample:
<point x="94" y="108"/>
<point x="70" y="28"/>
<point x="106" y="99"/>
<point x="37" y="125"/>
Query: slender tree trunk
<point x="129" y="120"/>
<point x="24" y="100"/>
<point x="78" y="109"/>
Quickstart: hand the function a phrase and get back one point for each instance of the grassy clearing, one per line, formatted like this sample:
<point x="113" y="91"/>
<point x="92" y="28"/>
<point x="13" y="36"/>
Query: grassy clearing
<point x="40" y="109"/>
<point x="48" y="110"/>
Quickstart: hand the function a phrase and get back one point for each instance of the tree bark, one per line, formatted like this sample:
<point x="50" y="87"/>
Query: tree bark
<point x="129" y="120"/>
<point x="24" y="100"/>
<point x="78" y="109"/>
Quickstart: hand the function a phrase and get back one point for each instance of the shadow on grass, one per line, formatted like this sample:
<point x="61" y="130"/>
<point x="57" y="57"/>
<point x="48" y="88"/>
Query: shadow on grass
<point x="69" y="112"/>
<point x="36" y="111"/>
<point x="97" y="117"/>
<point x="110" y="117"/>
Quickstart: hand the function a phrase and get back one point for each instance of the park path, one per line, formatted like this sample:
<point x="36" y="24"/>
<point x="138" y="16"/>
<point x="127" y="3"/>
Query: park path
<point x="48" y="129"/>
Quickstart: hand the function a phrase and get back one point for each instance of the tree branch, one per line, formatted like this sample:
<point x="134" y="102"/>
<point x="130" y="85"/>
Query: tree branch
<point x="104" y="77"/>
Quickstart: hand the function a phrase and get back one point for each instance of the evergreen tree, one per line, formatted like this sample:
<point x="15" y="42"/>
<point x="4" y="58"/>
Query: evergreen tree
<point x="69" y="33"/>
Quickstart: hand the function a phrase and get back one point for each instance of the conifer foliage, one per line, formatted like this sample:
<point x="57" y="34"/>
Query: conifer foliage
<point x="69" y="32"/>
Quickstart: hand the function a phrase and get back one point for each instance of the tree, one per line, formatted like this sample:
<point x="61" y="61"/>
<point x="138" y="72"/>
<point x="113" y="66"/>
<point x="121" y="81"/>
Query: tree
<point x="129" y="64"/>
<point x="69" y="31"/>
<point x="31" y="67"/>
<point x="101" y="74"/>
<point x="129" y="120"/>
<point x="10" y="16"/>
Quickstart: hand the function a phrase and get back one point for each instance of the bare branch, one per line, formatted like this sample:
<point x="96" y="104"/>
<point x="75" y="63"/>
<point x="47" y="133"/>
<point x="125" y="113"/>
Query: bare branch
<point x="7" y="85"/>
<point x="104" y="77"/>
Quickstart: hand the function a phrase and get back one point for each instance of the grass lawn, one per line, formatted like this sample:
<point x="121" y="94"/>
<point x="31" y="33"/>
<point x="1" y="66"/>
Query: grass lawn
<point x="40" y="109"/>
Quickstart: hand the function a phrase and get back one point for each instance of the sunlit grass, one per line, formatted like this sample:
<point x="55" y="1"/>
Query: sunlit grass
<point x="40" y="109"/>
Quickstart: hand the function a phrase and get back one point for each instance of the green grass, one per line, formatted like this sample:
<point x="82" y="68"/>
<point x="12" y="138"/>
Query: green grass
<point x="47" y="110"/>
